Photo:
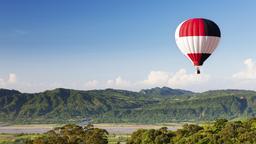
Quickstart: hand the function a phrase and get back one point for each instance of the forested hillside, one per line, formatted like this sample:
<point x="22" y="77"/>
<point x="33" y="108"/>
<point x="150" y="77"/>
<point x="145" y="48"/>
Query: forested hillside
<point x="220" y="132"/>
<point x="147" y="106"/>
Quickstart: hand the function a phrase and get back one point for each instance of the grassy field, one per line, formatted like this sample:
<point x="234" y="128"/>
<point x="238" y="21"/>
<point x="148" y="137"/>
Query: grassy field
<point x="7" y="138"/>
<point x="115" y="138"/>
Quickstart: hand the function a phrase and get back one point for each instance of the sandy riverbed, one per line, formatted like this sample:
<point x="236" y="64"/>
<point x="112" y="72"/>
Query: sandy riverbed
<point x="111" y="128"/>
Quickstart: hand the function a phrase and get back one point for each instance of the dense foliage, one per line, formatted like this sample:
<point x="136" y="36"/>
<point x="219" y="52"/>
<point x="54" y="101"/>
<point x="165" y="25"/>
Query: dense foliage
<point x="147" y="106"/>
<point x="73" y="134"/>
<point x="221" y="132"/>
<point x="68" y="134"/>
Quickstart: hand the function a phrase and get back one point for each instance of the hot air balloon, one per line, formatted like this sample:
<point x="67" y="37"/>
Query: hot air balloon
<point x="197" y="38"/>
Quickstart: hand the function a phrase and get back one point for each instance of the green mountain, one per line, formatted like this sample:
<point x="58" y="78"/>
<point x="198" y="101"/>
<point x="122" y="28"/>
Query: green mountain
<point x="110" y="105"/>
<point x="164" y="91"/>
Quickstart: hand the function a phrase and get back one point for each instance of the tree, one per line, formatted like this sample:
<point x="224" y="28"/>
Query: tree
<point x="219" y="124"/>
<point x="74" y="134"/>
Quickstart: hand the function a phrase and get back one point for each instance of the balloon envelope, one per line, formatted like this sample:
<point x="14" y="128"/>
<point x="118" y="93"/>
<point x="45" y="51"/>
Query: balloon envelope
<point x="197" y="38"/>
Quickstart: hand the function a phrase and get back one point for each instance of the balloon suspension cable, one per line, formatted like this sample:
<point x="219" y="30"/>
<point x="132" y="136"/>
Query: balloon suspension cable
<point x="198" y="70"/>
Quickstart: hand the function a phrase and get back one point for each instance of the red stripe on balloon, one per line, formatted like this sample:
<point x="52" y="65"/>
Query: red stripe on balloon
<point x="198" y="58"/>
<point x="193" y="27"/>
<point x="199" y="27"/>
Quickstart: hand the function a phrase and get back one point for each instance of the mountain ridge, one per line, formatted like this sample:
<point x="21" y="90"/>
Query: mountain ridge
<point x="114" y="105"/>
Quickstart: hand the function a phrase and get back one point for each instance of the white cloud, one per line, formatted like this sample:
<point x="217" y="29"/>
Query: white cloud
<point x="249" y="72"/>
<point x="2" y="83"/>
<point x="246" y="78"/>
<point x="157" y="78"/>
<point x="180" y="79"/>
<point x="91" y="84"/>
<point x="118" y="83"/>
<point x="12" y="78"/>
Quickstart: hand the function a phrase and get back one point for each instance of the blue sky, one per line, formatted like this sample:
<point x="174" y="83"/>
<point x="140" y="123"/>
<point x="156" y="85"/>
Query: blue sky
<point x="121" y="44"/>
